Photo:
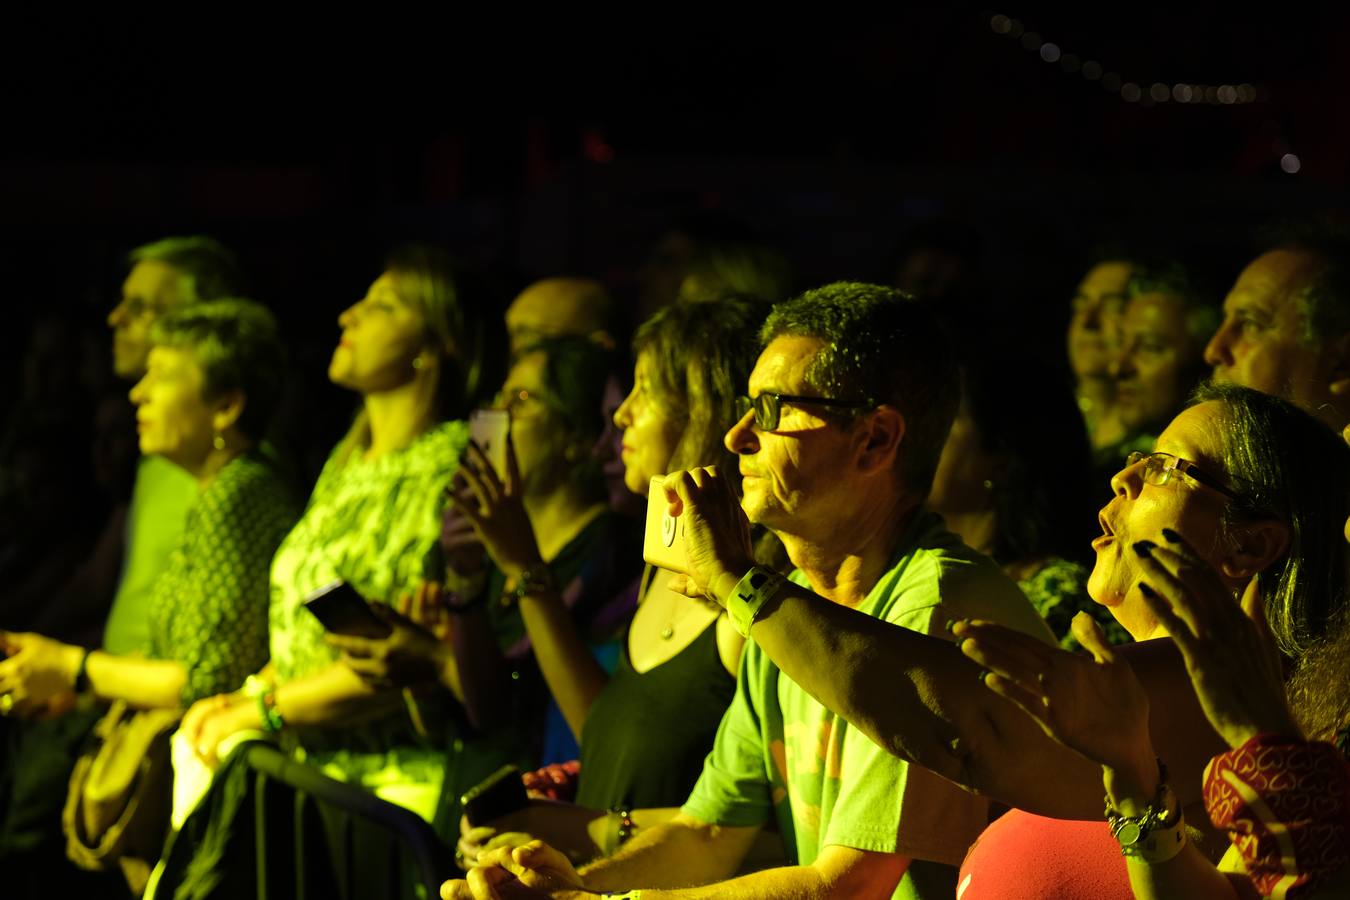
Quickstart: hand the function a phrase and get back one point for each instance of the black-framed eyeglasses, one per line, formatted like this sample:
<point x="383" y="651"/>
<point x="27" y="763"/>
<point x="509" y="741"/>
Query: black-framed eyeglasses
<point x="768" y="406"/>
<point x="1159" y="467"/>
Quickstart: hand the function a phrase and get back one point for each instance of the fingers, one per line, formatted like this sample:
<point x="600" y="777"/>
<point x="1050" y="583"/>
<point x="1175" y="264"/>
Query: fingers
<point x="357" y="648"/>
<point x="1030" y="702"/>
<point x="477" y="468"/>
<point x="1093" y="639"/>
<point x="1009" y="653"/>
<point x="512" y="466"/>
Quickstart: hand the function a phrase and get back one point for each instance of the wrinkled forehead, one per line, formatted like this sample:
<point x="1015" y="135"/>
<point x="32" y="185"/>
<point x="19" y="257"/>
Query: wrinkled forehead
<point x="1198" y="434"/>
<point x="783" y="364"/>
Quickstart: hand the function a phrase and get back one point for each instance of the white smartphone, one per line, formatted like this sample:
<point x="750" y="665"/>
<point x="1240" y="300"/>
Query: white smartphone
<point x="488" y="428"/>
<point x="663" y="538"/>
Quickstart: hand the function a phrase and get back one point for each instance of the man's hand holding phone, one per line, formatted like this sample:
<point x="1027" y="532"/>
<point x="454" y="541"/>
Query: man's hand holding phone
<point x="716" y="532"/>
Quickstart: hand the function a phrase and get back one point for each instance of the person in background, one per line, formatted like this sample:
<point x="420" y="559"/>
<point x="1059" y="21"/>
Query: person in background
<point x="554" y="307"/>
<point x="1094" y="337"/>
<point x="418" y="349"/>
<point x="849" y="405"/>
<point x="1286" y="324"/>
<point x="203" y="405"/>
<point x="1166" y="322"/>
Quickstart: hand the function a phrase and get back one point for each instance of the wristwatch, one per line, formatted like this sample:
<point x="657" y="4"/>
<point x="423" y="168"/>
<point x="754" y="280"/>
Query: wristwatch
<point x="1158" y="834"/>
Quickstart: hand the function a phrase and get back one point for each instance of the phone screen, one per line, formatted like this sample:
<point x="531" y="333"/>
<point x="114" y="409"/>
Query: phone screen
<point x="341" y="610"/>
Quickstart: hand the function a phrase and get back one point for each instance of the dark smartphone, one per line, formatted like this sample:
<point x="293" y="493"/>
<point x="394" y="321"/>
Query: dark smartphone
<point x="500" y="794"/>
<point x="342" y="610"/>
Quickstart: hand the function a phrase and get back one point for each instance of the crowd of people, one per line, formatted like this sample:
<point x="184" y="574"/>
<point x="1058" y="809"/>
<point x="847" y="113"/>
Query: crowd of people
<point x="892" y="656"/>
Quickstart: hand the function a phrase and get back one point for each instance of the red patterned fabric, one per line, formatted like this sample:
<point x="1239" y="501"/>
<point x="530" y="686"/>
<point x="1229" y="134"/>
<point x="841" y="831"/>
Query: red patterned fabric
<point x="1285" y="804"/>
<point x="557" y="781"/>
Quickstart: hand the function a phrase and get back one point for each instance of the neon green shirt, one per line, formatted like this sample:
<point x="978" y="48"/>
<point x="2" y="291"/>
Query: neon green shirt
<point x="780" y="753"/>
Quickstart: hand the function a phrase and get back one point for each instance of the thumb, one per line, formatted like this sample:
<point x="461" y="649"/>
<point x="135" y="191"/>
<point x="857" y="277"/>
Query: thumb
<point x="1093" y="639"/>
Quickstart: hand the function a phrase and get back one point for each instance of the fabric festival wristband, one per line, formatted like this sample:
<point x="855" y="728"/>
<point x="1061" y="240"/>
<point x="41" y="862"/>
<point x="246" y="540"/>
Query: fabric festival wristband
<point x="749" y="595"/>
<point x="1285" y="804"/>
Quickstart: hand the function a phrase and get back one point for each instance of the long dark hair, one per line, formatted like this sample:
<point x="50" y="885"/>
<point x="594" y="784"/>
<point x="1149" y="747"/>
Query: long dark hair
<point x="1284" y="464"/>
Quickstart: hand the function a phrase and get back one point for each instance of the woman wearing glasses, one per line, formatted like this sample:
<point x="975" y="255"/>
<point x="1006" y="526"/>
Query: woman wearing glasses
<point x="1250" y="484"/>
<point x="645" y="729"/>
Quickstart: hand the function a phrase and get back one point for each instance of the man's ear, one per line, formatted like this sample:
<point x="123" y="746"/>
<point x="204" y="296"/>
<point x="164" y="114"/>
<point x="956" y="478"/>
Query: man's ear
<point x="1256" y="546"/>
<point x="226" y="410"/>
<point x="882" y="431"/>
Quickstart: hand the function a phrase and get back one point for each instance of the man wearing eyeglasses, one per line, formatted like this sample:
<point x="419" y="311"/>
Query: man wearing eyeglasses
<point x="164" y="274"/>
<point x="848" y="407"/>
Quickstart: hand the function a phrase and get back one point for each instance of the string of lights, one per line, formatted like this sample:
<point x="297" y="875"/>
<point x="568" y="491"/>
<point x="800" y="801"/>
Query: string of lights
<point x="1129" y="91"/>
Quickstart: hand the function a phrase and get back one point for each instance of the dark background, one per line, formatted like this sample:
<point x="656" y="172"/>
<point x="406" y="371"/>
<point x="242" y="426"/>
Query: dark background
<point x="539" y="144"/>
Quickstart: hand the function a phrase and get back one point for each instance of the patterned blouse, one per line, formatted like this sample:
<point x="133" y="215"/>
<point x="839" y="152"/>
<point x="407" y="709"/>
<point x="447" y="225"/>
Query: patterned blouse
<point x="208" y="609"/>
<point x="1058" y="590"/>
<point x="368" y="523"/>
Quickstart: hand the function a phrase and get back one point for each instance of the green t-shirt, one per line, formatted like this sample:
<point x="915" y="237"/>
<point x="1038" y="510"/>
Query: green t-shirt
<point x="780" y="753"/>
<point x="160" y="500"/>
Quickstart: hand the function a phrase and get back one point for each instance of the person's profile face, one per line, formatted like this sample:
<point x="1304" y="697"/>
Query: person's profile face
<point x="650" y="433"/>
<point x="1157" y="361"/>
<point x="1260" y="344"/>
<point x="173" y="419"/>
<point x="151" y="288"/>
<point x="382" y="336"/>
<point x="1094" y="325"/>
<point x="1139" y="511"/>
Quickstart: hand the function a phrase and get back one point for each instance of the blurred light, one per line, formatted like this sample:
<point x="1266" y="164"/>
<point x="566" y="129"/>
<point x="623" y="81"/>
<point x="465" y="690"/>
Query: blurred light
<point x="1050" y="52"/>
<point x="1227" y="94"/>
<point x="1000" y="24"/>
<point x="1092" y="70"/>
<point x="596" y="148"/>
<point x="1290" y="163"/>
<point x="1246" y="93"/>
<point x="1111" y="81"/>
<point x="1015" y="28"/>
<point x="1159" y="93"/>
<point x="1211" y="94"/>
<point x="1070" y="63"/>
<point x="1130" y="92"/>
<point x="1182" y="93"/>
<point x="1031" y="41"/>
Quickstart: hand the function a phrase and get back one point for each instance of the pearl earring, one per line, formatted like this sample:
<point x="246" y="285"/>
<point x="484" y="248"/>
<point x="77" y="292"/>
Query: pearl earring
<point x="417" y="362"/>
<point x="219" y="441"/>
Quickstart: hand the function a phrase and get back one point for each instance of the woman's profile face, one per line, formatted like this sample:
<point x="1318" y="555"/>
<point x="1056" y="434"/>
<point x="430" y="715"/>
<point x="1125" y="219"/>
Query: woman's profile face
<point x="1140" y="511"/>
<point x="172" y="418"/>
<point x="382" y="335"/>
<point x="649" y="435"/>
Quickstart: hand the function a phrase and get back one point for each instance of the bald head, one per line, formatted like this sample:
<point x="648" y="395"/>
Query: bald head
<point x="555" y="307"/>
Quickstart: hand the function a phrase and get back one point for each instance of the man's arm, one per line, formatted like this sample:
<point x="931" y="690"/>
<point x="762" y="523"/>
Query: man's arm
<point x="838" y="873"/>
<point x="920" y="699"/>
<point x="679" y="853"/>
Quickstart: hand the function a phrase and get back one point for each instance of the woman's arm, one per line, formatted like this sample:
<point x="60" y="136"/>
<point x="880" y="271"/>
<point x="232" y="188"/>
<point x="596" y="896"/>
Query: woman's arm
<point x="40" y="669"/>
<point x="494" y="509"/>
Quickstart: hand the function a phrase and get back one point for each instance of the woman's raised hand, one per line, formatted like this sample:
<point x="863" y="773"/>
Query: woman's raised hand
<point x="1094" y="705"/>
<point x="493" y="508"/>
<point x="1227" y="647"/>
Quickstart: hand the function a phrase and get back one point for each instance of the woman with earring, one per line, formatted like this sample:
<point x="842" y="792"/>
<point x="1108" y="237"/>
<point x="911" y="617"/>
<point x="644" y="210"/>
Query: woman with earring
<point x="204" y="403"/>
<point x="415" y="349"/>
